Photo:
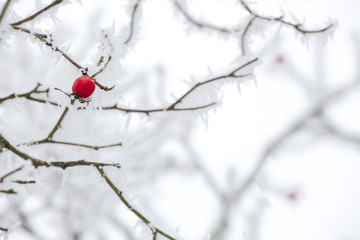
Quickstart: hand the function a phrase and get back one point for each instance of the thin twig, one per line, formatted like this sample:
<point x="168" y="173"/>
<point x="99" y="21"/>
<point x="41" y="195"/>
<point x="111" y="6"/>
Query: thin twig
<point x="65" y="165"/>
<point x="37" y="13"/>
<point x="58" y="124"/>
<point x="172" y="106"/>
<point x="50" y="141"/>
<point x="102" y="59"/>
<point x="148" y="111"/>
<point x="10" y="173"/>
<point x="297" y="27"/>
<point x="201" y="25"/>
<point x="39" y="163"/>
<point x="132" y="22"/>
<point x="119" y="193"/>
<point x="244" y="34"/>
<point x="26" y="95"/>
<point x="43" y="38"/>
<point x="24" y="182"/>
<point x="231" y="74"/>
<point x="5" y="8"/>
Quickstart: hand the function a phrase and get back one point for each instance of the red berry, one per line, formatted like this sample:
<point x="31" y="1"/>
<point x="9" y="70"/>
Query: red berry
<point x="84" y="86"/>
<point x="279" y="59"/>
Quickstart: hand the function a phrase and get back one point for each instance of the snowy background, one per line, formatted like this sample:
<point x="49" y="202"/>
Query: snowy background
<point x="184" y="171"/>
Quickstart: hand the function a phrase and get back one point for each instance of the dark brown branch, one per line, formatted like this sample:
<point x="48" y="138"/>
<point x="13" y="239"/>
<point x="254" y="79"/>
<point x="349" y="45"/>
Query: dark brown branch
<point x="231" y="74"/>
<point x="26" y="95"/>
<point x="132" y="20"/>
<point x="3" y="229"/>
<point x="24" y="182"/>
<point x="119" y="193"/>
<point x="9" y="191"/>
<point x="102" y="86"/>
<point x="201" y="25"/>
<point x="29" y="96"/>
<point x="36" y="162"/>
<point x="58" y="124"/>
<point x="37" y="13"/>
<point x="5" y="8"/>
<point x="297" y="27"/>
<point x="103" y="68"/>
<point x="10" y="173"/>
<point x="65" y="165"/>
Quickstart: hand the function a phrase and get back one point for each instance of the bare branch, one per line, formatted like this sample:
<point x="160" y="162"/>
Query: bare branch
<point x="10" y="173"/>
<point x="119" y="193"/>
<point x="5" y="8"/>
<point x="36" y="162"/>
<point x="297" y="27"/>
<point x="102" y="86"/>
<point x="24" y="182"/>
<point x="9" y="191"/>
<point x="58" y="123"/>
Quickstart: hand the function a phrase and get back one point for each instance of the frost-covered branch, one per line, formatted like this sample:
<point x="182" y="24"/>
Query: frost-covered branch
<point x="40" y="163"/>
<point x="119" y="193"/>
<point x="50" y="141"/>
<point x="132" y="22"/>
<point x="148" y="111"/>
<point x="231" y="74"/>
<point x="47" y="40"/>
<point x="244" y="34"/>
<point x="278" y="141"/>
<point x="201" y="25"/>
<point x="297" y="26"/>
<point x="339" y="133"/>
<point x="173" y="107"/>
<point x="32" y="17"/>
<point x="28" y="96"/>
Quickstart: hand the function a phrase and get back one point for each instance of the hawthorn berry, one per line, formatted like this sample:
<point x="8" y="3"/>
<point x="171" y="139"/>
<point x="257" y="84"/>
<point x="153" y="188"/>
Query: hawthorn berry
<point x="84" y="86"/>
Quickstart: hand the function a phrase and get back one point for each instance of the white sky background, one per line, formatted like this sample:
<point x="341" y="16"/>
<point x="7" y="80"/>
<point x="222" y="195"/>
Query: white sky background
<point x="323" y="171"/>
